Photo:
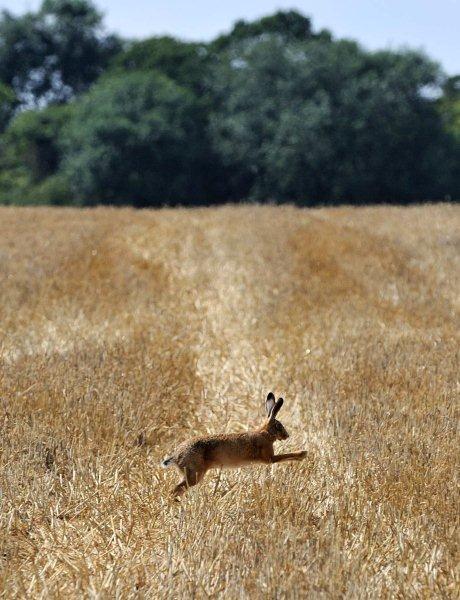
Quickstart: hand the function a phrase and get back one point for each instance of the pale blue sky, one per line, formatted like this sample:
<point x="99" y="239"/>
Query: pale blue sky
<point x="433" y="25"/>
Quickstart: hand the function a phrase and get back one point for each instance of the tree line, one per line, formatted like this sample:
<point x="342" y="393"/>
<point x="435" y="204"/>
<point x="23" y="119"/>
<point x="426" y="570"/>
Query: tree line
<point x="271" y="111"/>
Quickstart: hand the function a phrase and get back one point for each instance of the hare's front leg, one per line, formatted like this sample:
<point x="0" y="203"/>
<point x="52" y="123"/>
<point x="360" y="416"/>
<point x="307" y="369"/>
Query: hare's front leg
<point x="291" y="456"/>
<point x="191" y="478"/>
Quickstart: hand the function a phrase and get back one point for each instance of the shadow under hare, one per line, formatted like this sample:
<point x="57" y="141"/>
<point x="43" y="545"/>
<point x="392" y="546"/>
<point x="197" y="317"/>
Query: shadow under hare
<point x="194" y="457"/>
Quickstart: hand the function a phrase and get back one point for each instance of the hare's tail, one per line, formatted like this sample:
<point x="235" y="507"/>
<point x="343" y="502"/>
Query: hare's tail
<point x="167" y="462"/>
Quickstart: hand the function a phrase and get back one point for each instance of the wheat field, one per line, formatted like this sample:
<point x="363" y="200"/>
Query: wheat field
<point x="124" y="332"/>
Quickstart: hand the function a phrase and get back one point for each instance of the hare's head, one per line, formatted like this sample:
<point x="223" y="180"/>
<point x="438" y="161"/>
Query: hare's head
<point x="274" y="427"/>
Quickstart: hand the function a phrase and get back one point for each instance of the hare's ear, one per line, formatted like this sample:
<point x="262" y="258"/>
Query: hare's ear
<point x="269" y="403"/>
<point x="276" y="408"/>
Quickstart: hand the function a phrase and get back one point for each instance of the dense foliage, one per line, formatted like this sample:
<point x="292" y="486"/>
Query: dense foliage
<point x="55" y="53"/>
<point x="135" y="138"/>
<point x="328" y="122"/>
<point x="271" y="111"/>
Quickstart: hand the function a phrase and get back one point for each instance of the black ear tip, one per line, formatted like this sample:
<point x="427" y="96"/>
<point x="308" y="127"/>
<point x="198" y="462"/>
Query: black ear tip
<point x="280" y="402"/>
<point x="271" y="396"/>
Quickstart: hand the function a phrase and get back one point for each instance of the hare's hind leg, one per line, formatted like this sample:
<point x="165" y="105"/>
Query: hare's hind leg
<point x="191" y="478"/>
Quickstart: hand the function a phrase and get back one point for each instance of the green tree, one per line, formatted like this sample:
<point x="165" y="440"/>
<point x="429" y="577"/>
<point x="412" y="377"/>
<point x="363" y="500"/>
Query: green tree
<point x="449" y="107"/>
<point x="8" y="104"/>
<point x="136" y="139"/>
<point x="449" y="104"/>
<point x="34" y="137"/>
<point x="185" y="63"/>
<point x="324" y="121"/>
<point x="54" y="53"/>
<point x="287" y="25"/>
<point x="30" y="157"/>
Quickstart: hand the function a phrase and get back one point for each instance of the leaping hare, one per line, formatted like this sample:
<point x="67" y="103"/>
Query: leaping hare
<point x="194" y="457"/>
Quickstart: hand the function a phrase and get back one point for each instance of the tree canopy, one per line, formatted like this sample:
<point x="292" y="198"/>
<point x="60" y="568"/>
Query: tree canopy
<point x="328" y="122"/>
<point x="287" y="25"/>
<point x="186" y="63"/>
<point x="135" y="139"/>
<point x="8" y="104"/>
<point x="271" y="111"/>
<point x="54" y="53"/>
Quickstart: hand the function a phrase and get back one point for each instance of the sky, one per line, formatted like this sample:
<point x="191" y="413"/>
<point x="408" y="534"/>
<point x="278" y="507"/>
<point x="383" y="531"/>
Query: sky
<point x="431" y="25"/>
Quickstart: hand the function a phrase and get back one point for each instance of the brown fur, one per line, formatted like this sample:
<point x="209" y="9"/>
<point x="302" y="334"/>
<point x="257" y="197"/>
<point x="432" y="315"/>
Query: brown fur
<point x="194" y="457"/>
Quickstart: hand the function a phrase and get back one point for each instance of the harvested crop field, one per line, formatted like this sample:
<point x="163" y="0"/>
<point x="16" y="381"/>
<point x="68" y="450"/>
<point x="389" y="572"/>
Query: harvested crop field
<point x="124" y="332"/>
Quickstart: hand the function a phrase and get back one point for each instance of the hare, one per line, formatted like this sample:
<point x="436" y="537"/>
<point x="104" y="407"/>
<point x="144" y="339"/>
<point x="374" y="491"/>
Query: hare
<point x="194" y="457"/>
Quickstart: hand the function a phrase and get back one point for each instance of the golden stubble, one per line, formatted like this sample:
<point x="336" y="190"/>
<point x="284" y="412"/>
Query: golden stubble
<point x="124" y="332"/>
